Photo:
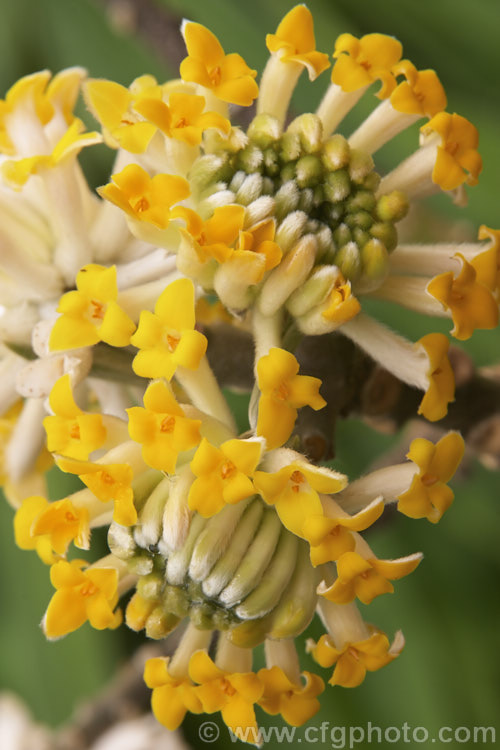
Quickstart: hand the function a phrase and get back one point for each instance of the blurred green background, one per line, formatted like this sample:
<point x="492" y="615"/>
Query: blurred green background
<point x="448" y="609"/>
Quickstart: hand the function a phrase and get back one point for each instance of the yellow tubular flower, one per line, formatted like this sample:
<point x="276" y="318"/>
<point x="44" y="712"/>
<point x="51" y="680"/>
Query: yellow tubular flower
<point x="223" y="474"/>
<point x="183" y="118"/>
<point x="441" y="390"/>
<point x="472" y="304"/>
<point x="107" y="482"/>
<point x="294" y="41"/>
<point x="213" y="238"/>
<point x="91" y="313"/>
<point x="49" y="528"/>
<point x="234" y="695"/>
<point x="257" y="248"/>
<point x="228" y="76"/>
<point x="112" y="104"/>
<point x="458" y="160"/>
<point x="162" y="428"/>
<point x="283" y="392"/>
<point x="362" y="61"/>
<point x="81" y="595"/>
<point x="294" y="490"/>
<point x="353" y="660"/>
<point x="420" y="94"/>
<point x="366" y="579"/>
<point x="71" y="431"/>
<point x="172" y="696"/>
<point x="16" y="173"/>
<point x="331" y="537"/>
<point x="146" y="198"/>
<point x="429" y="495"/>
<point x="487" y="263"/>
<point x="296" y="703"/>
<point x="167" y="338"/>
<point x="341" y="305"/>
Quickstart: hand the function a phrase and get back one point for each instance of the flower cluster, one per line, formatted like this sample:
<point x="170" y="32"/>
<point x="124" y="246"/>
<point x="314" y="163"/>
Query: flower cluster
<point x="283" y="231"/>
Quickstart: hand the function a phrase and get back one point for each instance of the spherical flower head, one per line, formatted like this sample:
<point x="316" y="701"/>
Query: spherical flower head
<point x="81" y="595"/>
<point x="362" y="61"/>
<point x="283" y="391"/>
<point x="50" y="527"/>
<point x="167" y="338"/>
<point x="162" y="428"/>
<point x="353" y="660"/>
<point x="294" y="42"/>
<point x="227" y="76"/>
<point x="223" y="474"/>
<point x="234" y="695"/>
<point x="331" y="537"/>
<point x="441" y="389"/>
<point x="71" y="431"/>
<point x="458" y="160"/>
<point x="429" y="495"/>
<point x="172" y="696"/>
<point x="471" y="303"/>
<point x="421" y="93"/>
<point x="366" y="579"/>
<point x="144" y="198"/>
<point x="108" y="482"/>
<point x="91" y="313"/>
<point x="296" y="703"/>
<point x="183" y="118"/>
<point x="293" y="490"/>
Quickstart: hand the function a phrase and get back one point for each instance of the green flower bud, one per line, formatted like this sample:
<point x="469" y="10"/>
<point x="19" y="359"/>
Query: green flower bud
<point x="250" y="159"/>
<point x="264" y="130"/>
<point x="337" y="186"/>
<point x="309" y="171"/>
<point x="335" y="153"/>
<point x="348" y="259"/>
<point x="375" y="260"/>
<point x="360" y="165"/>
<point x="386" y="233"/>
<point x="393" y="206"/>
<point x="361" y="219"/>
<point x="290" y="147"/>
<point x="342" y="234"/>
<point x="310" y="130"/>
<point x="271" y="162"/>
<point x="362" y="200"/>
<point x="286" y="199"/>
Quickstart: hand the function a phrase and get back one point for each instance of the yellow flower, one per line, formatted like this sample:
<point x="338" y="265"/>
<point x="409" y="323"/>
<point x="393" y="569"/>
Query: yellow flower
<point x="228" y="76"/>
<point x="17" y="172"/>
<point x="458" y="160"/>
<point x="441" y="390"/>
<point x="162" y="428"/>
<point x="293" y="490"/>
<point x="223" y="474"/>
<point x="283" y="392"/>
<point x="258" y="247"/>
<point x="167" y="338"/>
<point x="366" y="579"/>
<point x="420" y="94"/>
<point x="362" y="61"/>
<point x="172" y="696"/>
<point x="81" y="595"/>
<point x="354" y="660"/>
<point x="71" y="431"/>
<point x="145" y="198"/>
<point x="107" y="482"/>
<point x="296" y="703"/>
<point x="113" y="105"/>
<point x="341" y="304"/>
<point x="234" y="695"/>
<point x="183" y="117"/>
<point x="50" y="527"/>
<point x="294" y="42"/>
<point x="471" y="303"/>
<point x="331" y="537"/>
<point x="429" y="495"/>
<point x="44" y="99"/>
<point x="91" y="313"/>
<point x="213" y="238"/>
